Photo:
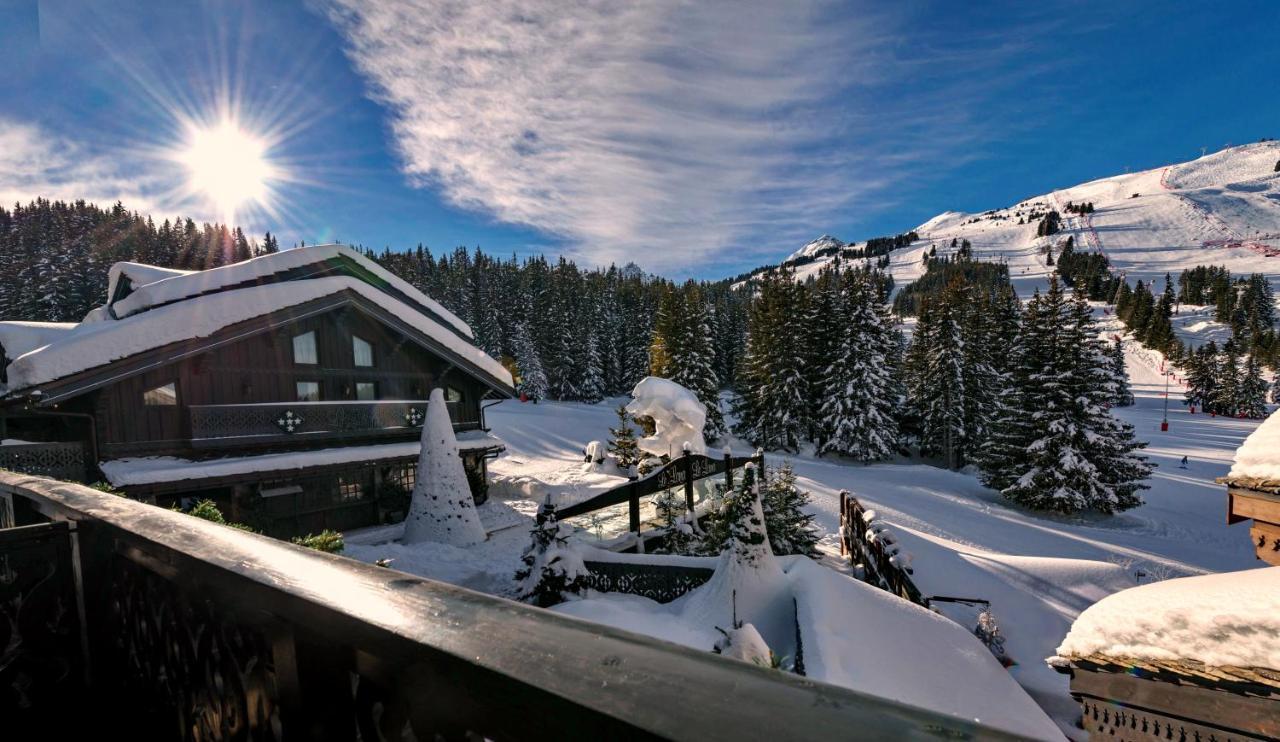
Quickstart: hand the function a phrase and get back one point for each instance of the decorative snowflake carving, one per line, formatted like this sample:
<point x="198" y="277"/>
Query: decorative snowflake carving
<point x="289" y="422"/>
<point x="413" y="417"/>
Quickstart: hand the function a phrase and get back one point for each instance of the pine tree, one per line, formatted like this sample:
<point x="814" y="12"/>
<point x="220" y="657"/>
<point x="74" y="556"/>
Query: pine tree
<point x="790" y="529"/>
<point x="1123" y="396"/>
<point x="532" y="380"/>
<point x="937" y="378"/>
<point x="858" y="390"/>
<point x="1080" y="457"/>
<point x="551" y="569"/>
<point x="622" y="444"/>
<point x="591" y="387"/>
<point x="1252" y="402"/>
<point x="773" y="404"/>
<point x="670" y="511"/>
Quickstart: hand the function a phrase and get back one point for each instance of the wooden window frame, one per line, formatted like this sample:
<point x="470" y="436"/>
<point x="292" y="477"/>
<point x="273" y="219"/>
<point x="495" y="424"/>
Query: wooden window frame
<point x="319" y="390"/>
<point x="148" y="391"/>
<point x="315" y="348"/>
<point x="355" y="359"/>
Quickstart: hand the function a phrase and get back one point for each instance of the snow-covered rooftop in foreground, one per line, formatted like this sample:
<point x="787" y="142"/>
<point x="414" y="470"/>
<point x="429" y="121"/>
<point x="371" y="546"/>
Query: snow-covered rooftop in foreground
<point x="1259" y="457"/>
<point x="1223" y="620"/>
<point x="863" y="638"/>
<point x="161" y="469"/>
<point x="56" y="351"/>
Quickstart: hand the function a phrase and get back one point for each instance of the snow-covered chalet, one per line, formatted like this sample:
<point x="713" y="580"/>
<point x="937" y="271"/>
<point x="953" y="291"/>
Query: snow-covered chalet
<point x="290" y="389"/>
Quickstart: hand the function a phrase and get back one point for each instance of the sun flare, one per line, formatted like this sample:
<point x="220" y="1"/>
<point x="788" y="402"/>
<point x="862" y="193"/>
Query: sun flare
<point x="228" y="166"/>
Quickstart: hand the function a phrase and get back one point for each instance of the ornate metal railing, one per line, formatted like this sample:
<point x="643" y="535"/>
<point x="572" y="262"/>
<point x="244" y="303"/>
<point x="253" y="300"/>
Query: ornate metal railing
<point x="659" y="582"/>
<point x="57" y="460"/>
<point x="229" y="424"/>
<point x="196" y="630"/>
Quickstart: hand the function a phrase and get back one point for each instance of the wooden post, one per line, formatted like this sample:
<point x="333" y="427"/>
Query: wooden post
<point x="760" y="466"/>
<point x="688" y="482"/>
<point x="633" y="506"/>
<point x="728" y="471"/>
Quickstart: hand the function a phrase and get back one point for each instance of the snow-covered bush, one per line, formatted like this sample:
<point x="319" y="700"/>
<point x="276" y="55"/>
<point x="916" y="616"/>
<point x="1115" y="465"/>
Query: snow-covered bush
<point x="743" y="642"/>
<point x="594" y="453"/>
<point x="552" y="568"/>
<point x="677" y="415"/>
<point x="441" y="508"/>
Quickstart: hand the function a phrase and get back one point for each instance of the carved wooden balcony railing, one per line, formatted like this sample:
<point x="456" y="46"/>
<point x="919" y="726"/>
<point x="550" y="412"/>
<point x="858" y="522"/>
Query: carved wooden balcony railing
<point x="57" y="460"/>
<point x="167" y="626"/>
<point x="235" y="424"/>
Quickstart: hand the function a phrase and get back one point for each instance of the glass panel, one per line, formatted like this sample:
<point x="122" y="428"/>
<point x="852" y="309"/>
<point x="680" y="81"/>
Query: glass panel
<point x="304" y="348"/>
<point x="362" y="351"/>
<point x="308" y="391"/>
<point x="162" y="396"/>
<point x="366" y="390"/>
<point x="452" y="395"/>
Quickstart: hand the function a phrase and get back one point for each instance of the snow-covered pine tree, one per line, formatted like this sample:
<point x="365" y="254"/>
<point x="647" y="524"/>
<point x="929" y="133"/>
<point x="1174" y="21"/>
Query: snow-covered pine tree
<point x="1226" y="381"/>
<point x="790" y="529"/>
<point x="622" y="443"/>
<point x="937" y="385"/>
<point x="683" y="350"/>
<point x="824" y="334"/>
<point x="441" y="508"/>
<point x="771" y="413"/>
<point x="1123" y="396"/>
<point x="1080" y="457"/>
<point x="981" y="379"/>
<point x="591" y="388"/>
<point x="1200" y="368"/>
<point x="1252" y="401"/>
<point x="551" y="569"/>
<point x="859" y="390"/>
<point x="532" y="379"/>
<point x="1001" y="454"/>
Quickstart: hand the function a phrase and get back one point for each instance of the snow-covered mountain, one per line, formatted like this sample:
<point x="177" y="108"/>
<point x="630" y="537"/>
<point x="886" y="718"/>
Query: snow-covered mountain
<point x="1220" y="209"/>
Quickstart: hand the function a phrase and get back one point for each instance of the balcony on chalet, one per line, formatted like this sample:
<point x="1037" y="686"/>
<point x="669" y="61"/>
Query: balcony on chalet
<point x="229" y="425"/>
<point x="118" y="615"/>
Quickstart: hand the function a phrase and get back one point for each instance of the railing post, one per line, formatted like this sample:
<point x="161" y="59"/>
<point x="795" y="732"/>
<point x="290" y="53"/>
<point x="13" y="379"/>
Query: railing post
<point x="728" y="470"/>
<point x="688" y="482"/>
<point x="760" y="466"/>
<point x="633" y="512"/>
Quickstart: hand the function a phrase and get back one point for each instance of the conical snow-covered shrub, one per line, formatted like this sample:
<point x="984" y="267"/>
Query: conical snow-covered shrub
<point x="441" y="508"/>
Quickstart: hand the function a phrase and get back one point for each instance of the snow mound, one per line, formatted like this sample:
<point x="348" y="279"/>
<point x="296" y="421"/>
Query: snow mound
<point x="441" y="508"/>
<point x="745" y="643"/>
<point x="677" y="414"/>
<point x="1223" y="620"/>
<point x="20" y="338"/>
<point x="1259" y="456"/>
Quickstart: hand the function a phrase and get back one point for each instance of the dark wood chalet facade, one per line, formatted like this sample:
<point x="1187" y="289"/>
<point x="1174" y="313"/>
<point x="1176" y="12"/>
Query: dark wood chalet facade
<point x="290" y="389"/>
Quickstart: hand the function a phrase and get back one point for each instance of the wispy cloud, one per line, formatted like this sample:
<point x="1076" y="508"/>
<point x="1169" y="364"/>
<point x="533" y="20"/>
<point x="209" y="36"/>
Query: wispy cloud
<point x="670" y="132"/>
<point x="35" y="162"/>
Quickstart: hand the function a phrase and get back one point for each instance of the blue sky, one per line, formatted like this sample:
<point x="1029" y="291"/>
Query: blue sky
<point x="693" y="138"/>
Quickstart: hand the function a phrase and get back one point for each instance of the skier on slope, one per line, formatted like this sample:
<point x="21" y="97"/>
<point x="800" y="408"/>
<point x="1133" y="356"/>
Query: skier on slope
<point x="1183" y="465"/>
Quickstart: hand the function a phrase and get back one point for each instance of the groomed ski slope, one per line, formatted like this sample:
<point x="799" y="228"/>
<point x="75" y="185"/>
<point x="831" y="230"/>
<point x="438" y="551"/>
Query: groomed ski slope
<point x="1180" y="217"/>
<point x="1039" y="571"/>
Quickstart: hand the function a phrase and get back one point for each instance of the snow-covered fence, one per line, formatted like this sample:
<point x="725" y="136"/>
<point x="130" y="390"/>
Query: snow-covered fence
<point x="871" y="545"/>
<point x="681" y="471"/>
<point x="197" y="629"/>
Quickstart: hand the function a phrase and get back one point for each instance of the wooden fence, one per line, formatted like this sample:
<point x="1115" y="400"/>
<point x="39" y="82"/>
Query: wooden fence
<point x="680" y="471"/>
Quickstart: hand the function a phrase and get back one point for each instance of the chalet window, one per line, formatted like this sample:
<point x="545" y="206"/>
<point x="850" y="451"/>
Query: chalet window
<point x="366" y="390"/>
<point x="350" y="489"/>
<point x="362" y="351"/>
<point x="162" y="396"/>
<point x="304" y="348"/>
<point x="308" y="391"/>
<point x="452" y="395"/>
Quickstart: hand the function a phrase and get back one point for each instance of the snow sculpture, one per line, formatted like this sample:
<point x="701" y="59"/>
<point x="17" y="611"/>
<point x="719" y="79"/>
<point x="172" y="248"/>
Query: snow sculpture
<point x="677" y="415"/>
<point x="594" y="453"/>
<point x="745" y="643"/>
<point x="441" y="508"/>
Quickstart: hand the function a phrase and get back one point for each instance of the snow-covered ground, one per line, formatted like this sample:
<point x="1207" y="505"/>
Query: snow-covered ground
<point x="1148" y="223"/>
<point x="1039" y="571"/>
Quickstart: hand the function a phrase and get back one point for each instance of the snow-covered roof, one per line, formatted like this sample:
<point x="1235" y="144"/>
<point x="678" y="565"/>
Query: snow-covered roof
<point x="18" y="338"/>
<point x="1258" y="458"/>
<point x="186" y="285"/>
<point x="164" y="469"/>
<point x="1221" y="620"/>
<point x="139" y="274"/>
<point x="156" y="315"/>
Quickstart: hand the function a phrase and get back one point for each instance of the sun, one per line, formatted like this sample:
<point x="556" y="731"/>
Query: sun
<point x="227" y="165"/>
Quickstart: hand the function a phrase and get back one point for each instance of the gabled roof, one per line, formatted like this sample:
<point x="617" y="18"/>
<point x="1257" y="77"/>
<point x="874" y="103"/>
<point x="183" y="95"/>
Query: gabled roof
<point x="199" y="305"/>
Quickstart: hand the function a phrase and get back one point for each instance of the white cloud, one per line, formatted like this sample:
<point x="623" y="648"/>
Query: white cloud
<point x="37" y="163"/>
<point x="666" y="132"/>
